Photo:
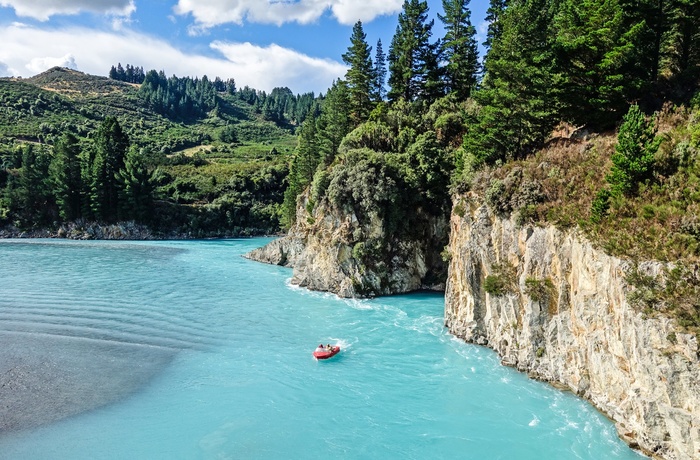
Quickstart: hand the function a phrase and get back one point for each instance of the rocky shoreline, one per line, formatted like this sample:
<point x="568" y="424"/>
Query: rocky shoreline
<point x="332" y="250"/>
<point x="83" y="230"/>
<point x="563" y="317"/>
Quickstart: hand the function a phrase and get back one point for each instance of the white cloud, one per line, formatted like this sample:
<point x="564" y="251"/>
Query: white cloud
<point x="39" y="64"/>
<point x="274" y="65"/>
<point x="216" y="12"/>
<point x="44" y="9"/>
<point x="350" y="11"/>
<point x="5" y="70"/>
<point x="25" y="50"/>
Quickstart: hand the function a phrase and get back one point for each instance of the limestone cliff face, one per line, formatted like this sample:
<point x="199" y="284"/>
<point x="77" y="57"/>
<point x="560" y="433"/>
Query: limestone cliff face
<point x="565" y="318"/>
<point x="332" y="250"/>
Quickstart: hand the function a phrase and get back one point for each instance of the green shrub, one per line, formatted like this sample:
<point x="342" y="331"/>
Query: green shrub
<point x="495" y="285"/>
<point x="502" y="281"/>
<point x="539" y="290"/>
<point x="496" y="197"/>
<point x="600" y="205"/>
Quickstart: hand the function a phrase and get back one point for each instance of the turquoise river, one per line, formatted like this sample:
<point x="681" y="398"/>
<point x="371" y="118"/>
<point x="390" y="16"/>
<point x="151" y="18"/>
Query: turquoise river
<point x="186" y="350"/>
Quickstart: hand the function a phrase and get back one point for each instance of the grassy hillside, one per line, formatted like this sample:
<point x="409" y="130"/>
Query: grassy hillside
<point x="198" y="163"/>
<point x="43" y="107"/>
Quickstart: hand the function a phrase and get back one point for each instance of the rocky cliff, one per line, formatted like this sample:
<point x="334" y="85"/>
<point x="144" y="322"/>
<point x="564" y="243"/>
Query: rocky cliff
<point x="558" y="308"/>
<point x="333" y="250"/>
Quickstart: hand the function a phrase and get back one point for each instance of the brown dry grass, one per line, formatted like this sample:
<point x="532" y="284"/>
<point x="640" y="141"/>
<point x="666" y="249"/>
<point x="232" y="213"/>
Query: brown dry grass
<point x="650" y="226"/>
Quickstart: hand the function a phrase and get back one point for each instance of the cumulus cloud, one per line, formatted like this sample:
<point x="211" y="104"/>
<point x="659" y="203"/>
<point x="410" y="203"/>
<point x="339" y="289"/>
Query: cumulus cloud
<point x="5" y="70"/>
<point x="350" y="11"/>
<point x="39" y="64"/>
<point x="44" y="9"/>
<point x="26" y="49"/>
<point x="271" y="66"/>
<point x="216" y="12"/>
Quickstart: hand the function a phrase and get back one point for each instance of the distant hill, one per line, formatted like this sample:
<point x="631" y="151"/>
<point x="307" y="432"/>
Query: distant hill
<point x="62" y="100"/>
<point x="230" y="154"/>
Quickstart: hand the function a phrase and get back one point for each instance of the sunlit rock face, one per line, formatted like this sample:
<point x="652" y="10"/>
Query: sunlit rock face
<point x="561" y="313"/>
<point x="333" y="250"/>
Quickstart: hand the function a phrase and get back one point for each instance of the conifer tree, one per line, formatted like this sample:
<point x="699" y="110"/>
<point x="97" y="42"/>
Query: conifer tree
<point x="111" y="144"/>
<point x="633" y="160"/>
<point x="379" y="73"/>
<point x="302" y="168"/>
<point x="414" y="71"/>
<point x="681" y="43"/>
<point x="136" y="187"/>
<point x="66" y="178"/>
<point x="334" y="123"/>
<point x="360" y="76"/>
<point x="493" y="16"/>
<point x="32" y="195"/>
<point x="595" y="55"/>
<point x="459" y="48"/>
<point x="518" y="94"/>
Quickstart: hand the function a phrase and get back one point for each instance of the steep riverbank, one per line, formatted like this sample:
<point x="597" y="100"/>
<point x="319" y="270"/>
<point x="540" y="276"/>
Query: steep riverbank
<point x="558" y="309"/>
<point x="334" y="251"/>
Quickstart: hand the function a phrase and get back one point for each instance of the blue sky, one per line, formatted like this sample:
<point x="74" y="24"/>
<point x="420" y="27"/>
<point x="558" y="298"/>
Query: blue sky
<point x="259" y="43"/>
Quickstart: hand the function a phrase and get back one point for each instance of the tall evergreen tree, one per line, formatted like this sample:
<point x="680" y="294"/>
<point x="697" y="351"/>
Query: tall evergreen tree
<point x="595" y="55"/>
<point x="136" y="187"/>
<point x="111" y="144"/>
<point x="302" y="168"/>
<point x="32" y="196"/>
<point x="334" y="123"/>
<point x="681" y="44"/>
<point x="360" y="76"/>
<point x="493" y="16"/>
<point x="414" y="71"/>
<point x="459" y="48"/>
<point x="65" y="172"/>
<point x="518" y="94"/>
<point x="379" y="72"/>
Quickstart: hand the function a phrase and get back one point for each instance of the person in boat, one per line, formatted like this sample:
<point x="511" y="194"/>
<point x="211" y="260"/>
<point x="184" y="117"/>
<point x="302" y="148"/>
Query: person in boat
<point x="320" y="348"/>
<point x="329" y="347"/>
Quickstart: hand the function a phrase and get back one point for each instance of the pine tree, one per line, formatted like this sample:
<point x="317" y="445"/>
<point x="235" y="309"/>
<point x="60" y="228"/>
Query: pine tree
<point x="65" y="172"/>
<point x="595" y="55"/>
<point x="379" y="73"/>
<point x="493" y="16"/>
<point x="136" y="187"/>
<point x="518" y="94"/>
<point x="334" y="123"/>
<point x="301" y="171"/>
<point x="111" y="144"/>
<point x="414" y="71"/>
<point x="681" y="44"/>
<point x="121" y="73"/>
<point x="360" y="76"/>
<point x="32" y="195"/>
<point x="459" y="48"/>
<point x="633" y="160"/>
<point x="307" y="156"/>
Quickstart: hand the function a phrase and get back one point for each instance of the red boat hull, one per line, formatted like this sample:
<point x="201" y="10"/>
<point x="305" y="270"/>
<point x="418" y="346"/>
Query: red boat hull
<point x="326" y="354"/>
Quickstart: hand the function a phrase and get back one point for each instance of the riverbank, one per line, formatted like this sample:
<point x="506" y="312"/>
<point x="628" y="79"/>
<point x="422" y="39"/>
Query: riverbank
<point x="82" y="230"/>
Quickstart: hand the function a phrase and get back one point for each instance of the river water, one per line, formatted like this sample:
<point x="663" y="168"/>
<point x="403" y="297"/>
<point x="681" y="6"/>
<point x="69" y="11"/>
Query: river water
<point x="185" y="350"/>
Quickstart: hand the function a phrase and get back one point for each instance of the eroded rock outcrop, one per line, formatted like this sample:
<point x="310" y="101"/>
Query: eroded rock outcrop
<point x="333" y="250"/>
<point x="559" y="310"/>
